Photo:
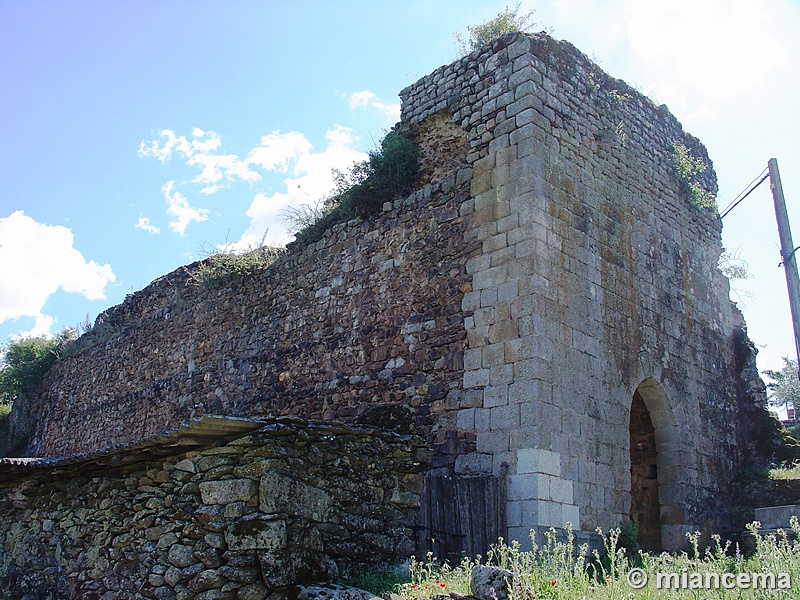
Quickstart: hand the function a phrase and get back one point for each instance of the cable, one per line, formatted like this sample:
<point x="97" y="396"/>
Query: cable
<point x="745" y="193"/>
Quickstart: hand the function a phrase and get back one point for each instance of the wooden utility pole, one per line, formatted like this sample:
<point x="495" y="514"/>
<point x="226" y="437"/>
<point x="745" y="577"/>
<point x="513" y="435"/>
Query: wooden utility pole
<point x="787" y="251"/>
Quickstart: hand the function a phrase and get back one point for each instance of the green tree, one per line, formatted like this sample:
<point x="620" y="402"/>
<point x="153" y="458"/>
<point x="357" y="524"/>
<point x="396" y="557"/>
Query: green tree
<point x="785" y="386"/>
<point x="25" y="362"/>
<point x="506" y="21"/>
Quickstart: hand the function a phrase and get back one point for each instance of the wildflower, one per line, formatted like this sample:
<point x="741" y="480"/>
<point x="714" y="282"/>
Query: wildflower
<point x="553" y="582"/>
<point x="442" y="584"/>
<point x="413" y="586"/>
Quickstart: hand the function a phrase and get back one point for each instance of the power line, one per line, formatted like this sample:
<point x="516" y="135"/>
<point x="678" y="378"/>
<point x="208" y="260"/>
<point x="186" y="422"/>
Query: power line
<point x="745" y="193"/>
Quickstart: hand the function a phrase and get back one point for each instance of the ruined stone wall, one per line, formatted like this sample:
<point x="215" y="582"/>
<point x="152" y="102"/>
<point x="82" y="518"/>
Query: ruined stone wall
<point x="552" y="266"/>
<point x="370" y="314"/>
<point x="290" y="503"/>
<point x="597" y="277"/>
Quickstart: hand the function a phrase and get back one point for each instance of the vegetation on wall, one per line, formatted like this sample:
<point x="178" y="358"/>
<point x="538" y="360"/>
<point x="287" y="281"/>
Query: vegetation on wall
<point x="506" y="21"/>
<point x="26" y="361"/>
<point x="388" y="173"/>
<point x="226" y="266"/>
<point x="687" y="169"/>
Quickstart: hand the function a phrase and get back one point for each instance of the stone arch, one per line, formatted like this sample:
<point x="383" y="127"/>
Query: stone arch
<point x="655" y="452"/>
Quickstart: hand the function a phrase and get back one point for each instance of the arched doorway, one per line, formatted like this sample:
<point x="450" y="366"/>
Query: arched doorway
<point x="645" y="505"/>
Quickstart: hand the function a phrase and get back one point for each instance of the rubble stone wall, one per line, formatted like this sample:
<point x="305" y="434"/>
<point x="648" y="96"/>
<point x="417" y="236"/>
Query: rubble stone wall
<point x="371" y="314"/>
<point x="292" y="502"/>
<point x="553" y="264"/>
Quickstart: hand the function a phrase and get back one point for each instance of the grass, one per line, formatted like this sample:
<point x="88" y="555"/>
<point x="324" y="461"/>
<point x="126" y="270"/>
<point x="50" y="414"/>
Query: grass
<point x="223" y="268"/>
<point x="557" y="570"/>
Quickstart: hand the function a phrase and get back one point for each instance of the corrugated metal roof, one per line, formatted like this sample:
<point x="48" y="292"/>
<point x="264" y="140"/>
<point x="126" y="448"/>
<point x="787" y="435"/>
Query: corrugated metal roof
<point x="200" y="432"/>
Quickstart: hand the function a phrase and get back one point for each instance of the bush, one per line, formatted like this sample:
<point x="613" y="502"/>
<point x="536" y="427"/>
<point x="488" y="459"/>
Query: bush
<point x="24" y="365"/>
<point x="388" y="173"/>
<point x="687" y="169"/>
<point x="506" y="21"/>
<point x="225" y="267"/>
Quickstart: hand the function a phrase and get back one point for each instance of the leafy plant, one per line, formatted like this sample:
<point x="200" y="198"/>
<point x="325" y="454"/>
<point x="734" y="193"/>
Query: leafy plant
<point x="26" y="361"/>
<point x="687" y="168"/>
<point x="387" y="174"/>
<point x="506" y="21"/>
<point x="220" y="270"/>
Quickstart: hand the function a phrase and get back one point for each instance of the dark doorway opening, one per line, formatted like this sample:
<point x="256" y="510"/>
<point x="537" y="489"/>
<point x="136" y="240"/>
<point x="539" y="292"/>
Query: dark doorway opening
<point x="645" y="507"/>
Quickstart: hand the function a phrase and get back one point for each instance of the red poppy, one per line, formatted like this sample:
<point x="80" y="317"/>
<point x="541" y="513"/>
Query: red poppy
<point x="553" y="582"/>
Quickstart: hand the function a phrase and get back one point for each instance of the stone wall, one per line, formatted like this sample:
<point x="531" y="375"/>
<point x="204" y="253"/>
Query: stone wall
<point x="551" y="266"/>
<point x="597" y="277"/>
<point x="370" y="314"/>
<point x="288" y="503"/>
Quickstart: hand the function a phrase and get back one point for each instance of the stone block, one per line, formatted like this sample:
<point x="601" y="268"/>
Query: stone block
<point x="503" y="331"/>
<point x="561" y="490"/>
<point x="528" y="347"/>
<point x="492" y="441"/>
<point x="476" y="378"/>
<point x="535" y="460"/>
<point x="483" y="419"/>
<point x="550" y="514"/>
<point x="490" y="583"/>
<point x="473" y="464"/>
<point x="523" y="486"/>
<point x="495" y="396"/>
<point x="465" y="420"/>
<point x="489" y="297"/>
<point x="493" y="277"/>
<point x="505" y="418"/>
<point x="255" y="532"/>
<point x="471" y="399"/>
<point x="478" y="263"/>
<point x="496" y="242"/>
<point x="279" y="494"/>
<point x="514" y="513"/>
<point x="473" y="359"/>
<point x="571" y="514"/>
<point x="227" y="491"/>
<point x="508" y="291"/>
<point x="501" y="375"/>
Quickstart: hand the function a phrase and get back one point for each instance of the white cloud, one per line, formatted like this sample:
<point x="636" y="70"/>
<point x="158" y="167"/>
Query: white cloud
<point x="705" y="51"/>
<point x="179" y="209"/>
<point x="275" y="151"/>
<point x="366" y="98"/>
<point x="216" y="170"/>
<point x="36" y="260"/>
<point x="144" y="224"/>
<point x="311" y="180"/>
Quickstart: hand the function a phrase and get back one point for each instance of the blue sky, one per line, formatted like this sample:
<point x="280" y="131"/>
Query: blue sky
<point x="134" y="136"/>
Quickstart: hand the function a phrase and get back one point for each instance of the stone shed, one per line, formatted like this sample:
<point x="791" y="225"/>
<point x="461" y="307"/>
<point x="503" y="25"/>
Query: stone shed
<point x="545" y="311"/>
<point x="216" y="508"/>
